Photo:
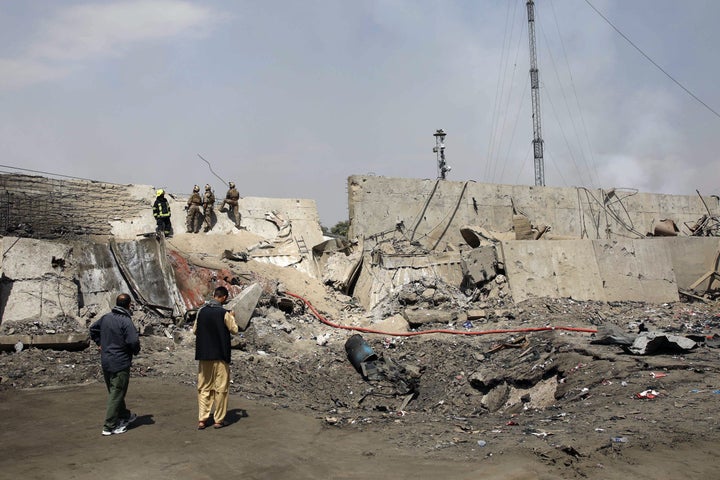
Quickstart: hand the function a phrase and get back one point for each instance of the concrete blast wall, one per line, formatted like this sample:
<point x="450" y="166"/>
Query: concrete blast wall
<point x="651" y="270"/>
<point x="432" y="212"/>
<point x="610" y="260"/>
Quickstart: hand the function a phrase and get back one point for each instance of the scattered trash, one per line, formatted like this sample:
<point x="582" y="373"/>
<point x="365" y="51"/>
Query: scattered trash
<point x="322" y="339"/>
<point x="647" y="394"/>
<point x="658" y="375"/>
<point x="619" y="440"/>
<point x="359" y="352"/>
<point x="468" y="324"/>
<point x="18" y="347"/>
<point x="481" y="443"/>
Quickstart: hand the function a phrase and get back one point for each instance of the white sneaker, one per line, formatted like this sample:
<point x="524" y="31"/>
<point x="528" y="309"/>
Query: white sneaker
<point x="128" y="421"/>
<point x="119" y="429"/>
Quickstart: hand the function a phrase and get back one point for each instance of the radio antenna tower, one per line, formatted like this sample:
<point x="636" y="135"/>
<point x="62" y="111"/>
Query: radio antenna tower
<point x="535" y="94"/>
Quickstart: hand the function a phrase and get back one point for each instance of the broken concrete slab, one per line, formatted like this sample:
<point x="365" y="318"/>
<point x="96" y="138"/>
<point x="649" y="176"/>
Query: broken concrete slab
<point x="58" y="341"/>
<point x="417" y="318"/>
<point x="476" y="236"/>
<point x="244" y="303"/>
<point x="392" y="324"/>
<point x="385" y="273"/>
<point x="476" y="314"/>
<point x="479" y="264"/>
<point x="648" y="343"/>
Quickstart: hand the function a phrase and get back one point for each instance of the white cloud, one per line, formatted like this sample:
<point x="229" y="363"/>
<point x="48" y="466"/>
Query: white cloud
<point x="15" y="73"/>
<point x="80" y="33"/>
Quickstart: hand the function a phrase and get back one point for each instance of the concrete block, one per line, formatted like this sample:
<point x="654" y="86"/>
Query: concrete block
<point x="691" y="258"/>
<point x="639" y="270"/>
<point x="58" y="341"/>
<point x="393" y="324"/>
<point x="416" y="318"/>
<point x="479" y="264"/>
<point x="476" y="314"/>
<point x="635" y="270"/>
<point x="244" y="304"/>
<point x="530" y="269"/>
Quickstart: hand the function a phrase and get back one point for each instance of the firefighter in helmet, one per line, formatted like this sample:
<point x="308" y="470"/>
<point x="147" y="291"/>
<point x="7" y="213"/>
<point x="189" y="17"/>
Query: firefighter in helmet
<point x="161" y="212"/>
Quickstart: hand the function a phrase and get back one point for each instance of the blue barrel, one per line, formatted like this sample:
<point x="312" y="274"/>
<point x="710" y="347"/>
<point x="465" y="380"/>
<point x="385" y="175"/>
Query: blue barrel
<point x="358" y="351"/>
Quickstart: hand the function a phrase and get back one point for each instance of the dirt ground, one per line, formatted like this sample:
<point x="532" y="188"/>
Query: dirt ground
<point x="529" y="404"/>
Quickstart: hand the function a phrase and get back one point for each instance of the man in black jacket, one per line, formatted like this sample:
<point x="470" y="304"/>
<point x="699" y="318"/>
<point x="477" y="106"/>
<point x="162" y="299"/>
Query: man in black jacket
<point x="212" y="328"/>
<point x="118" y="340"/>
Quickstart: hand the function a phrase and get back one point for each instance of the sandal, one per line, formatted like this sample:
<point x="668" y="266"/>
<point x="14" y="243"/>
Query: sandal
<point x="220" y="425"/>
<point x="201" y="425"/>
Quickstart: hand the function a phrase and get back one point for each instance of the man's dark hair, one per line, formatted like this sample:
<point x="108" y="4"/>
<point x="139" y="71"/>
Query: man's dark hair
<point x="220" y="292"/>
<point x="123" y="300"/>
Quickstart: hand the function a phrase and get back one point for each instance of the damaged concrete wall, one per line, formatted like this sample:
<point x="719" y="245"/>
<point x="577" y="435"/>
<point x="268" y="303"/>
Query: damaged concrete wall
<point x="292" y="227"/>
<point x="649" y="270"/>
<point x="383" y="274"/>
<point x="44" y="280"/>
<point x="35" y="284"/>
<point x="432" y="212"/>
<point x="48" y="208"/>
<point x="35" y="206"/>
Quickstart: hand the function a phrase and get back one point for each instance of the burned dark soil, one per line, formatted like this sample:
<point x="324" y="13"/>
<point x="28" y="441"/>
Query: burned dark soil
<point x="576" y="408"/>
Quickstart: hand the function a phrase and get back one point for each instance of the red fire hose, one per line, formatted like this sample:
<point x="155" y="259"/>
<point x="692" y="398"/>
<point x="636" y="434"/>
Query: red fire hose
<point x="426" y="332"/>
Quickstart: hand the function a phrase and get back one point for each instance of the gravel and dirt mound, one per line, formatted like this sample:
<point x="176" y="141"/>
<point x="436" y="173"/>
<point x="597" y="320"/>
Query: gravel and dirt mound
<point x="516" y="389"/>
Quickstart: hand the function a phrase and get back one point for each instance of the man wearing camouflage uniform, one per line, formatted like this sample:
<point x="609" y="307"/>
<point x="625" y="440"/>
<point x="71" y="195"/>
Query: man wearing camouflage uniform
<point x="208" y="206"/>
<point x="231" y="199"/>
<point x="194" y="217"/>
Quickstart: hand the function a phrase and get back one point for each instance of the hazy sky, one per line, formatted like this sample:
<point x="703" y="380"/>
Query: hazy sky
<point x="289" y="98"/>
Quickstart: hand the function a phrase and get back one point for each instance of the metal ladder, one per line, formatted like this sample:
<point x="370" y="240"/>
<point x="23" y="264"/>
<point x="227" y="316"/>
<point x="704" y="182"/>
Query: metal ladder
<point x="302" y="245"/>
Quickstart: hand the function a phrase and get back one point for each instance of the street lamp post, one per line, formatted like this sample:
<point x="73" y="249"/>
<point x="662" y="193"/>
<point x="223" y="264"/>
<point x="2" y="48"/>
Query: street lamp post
<point x="439" y="149"/>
